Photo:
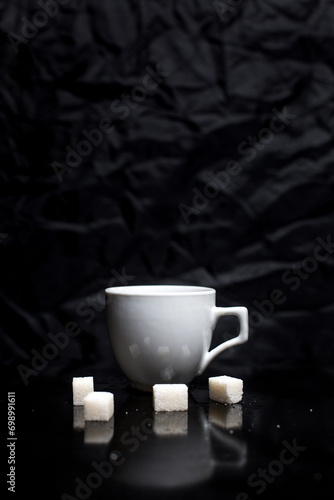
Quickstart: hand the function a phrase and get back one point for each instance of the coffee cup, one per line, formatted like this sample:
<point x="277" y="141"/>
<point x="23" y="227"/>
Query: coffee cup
<point x="162" y="333"/>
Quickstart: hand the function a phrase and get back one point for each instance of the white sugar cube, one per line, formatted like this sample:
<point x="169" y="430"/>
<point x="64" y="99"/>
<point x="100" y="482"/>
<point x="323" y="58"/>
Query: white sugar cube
<point x="170" y="397"/>
<point x="224" y="389"/>
<point x="99" y="406"/>
<point x="81" y="386"/>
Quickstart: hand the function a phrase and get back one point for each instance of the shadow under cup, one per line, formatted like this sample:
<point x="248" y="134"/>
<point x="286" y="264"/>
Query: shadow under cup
<point x="160" y="333"/>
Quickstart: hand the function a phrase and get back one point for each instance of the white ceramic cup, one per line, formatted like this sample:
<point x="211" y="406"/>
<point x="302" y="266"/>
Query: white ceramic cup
<point x="162" y="333"/>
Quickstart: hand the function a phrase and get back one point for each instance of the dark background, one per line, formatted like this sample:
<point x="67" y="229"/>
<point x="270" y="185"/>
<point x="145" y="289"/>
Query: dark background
<point x="115" y="214"/>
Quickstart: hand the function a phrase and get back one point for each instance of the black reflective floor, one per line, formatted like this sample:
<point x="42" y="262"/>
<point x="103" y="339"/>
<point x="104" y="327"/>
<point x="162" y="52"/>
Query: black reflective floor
<point x="278" y="443"/>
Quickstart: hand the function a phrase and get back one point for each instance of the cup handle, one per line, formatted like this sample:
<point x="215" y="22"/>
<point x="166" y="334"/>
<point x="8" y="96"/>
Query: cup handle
<point x="217" y="312"/>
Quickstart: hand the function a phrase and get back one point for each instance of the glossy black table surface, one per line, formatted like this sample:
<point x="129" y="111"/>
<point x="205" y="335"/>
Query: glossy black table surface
<point x="277" y="443"/>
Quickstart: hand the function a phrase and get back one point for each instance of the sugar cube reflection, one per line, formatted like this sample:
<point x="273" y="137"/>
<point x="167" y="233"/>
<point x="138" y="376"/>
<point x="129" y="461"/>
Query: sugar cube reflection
<point x="170" y="423"/>
<point x="78" y="418"/>
<point x="99" y="432"/>
<point x="231" y="448"/>
<point x="225" y="416"/>
<point x="167" y="373"/>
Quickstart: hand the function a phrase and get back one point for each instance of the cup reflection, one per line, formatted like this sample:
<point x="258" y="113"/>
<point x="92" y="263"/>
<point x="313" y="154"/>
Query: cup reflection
<point x="162" y="455"/>
<point x="166" y="450"/>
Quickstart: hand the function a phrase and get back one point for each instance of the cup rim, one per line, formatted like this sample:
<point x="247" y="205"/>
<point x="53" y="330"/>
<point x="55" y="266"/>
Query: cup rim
<point x="159" y="290"/>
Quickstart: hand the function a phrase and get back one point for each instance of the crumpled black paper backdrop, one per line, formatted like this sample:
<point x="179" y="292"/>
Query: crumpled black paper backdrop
<point x="167" y="142"/>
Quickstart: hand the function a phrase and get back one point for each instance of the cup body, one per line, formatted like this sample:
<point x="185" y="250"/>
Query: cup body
<point x="160" y="333"/>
